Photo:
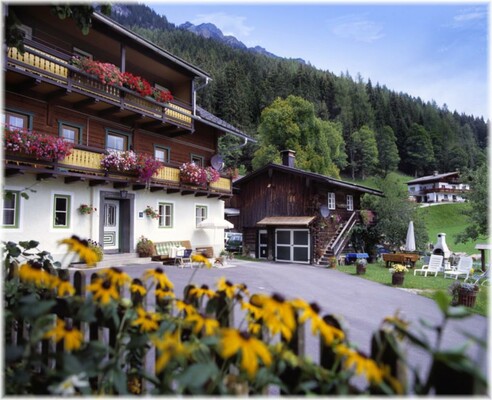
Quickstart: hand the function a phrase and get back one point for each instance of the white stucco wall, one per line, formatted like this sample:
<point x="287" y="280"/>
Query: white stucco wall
<point x="36" y="215"/>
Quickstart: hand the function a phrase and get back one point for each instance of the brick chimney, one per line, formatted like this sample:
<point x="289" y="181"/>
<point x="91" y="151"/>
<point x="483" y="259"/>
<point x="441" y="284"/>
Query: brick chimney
<point x="288" y="158"/>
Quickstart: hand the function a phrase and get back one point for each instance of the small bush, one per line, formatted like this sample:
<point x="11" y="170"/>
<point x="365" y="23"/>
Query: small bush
<point x="145" y="247"/>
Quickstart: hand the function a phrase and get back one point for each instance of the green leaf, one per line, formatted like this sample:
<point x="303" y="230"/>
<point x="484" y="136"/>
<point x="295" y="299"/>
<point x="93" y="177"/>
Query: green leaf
<point x="31" y="307"/>
<point x="196" y="375"/>
<point x="458" y="312"/>
<point x="442" y="301"/>
<point x="24" y="195"/>
<point x="119" y="381"/>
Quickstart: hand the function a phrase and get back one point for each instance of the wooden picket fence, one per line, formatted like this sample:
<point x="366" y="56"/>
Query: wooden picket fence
<point x="104" y="332"/>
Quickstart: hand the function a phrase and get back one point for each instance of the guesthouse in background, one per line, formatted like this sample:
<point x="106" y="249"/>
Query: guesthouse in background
<point x="437" y="188"/>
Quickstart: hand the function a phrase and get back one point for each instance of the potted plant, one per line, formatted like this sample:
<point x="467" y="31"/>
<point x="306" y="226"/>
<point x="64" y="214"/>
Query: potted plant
<point x="398" y="274"/>
<point x="361" y="266"/>
<point x="145" y="247"/>
<point x="86" y="209"/>
<point x="332" y="262"/>
<point x="151" y="213"/>
<point x="97" y="248"/>
<point x="464" y="294"/>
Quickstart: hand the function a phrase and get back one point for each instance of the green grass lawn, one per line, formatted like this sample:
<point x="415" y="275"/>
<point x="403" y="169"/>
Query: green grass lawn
<point x="378" y="272"/>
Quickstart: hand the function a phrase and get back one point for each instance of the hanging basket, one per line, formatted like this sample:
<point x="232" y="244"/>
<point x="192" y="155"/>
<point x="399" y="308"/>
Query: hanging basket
<point x="467" y="298"/>
<point x="397" y="278"/>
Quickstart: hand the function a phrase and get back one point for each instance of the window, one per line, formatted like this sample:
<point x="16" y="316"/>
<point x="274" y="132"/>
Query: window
<point x="117" y="141"/>
<point x="71" y="133"/>
<point x="165" y="215"/>
<point x="61" y="211"/>
<point x="17" y="120"/>
<point x="198" y="160"/>
<point x="331" y="201"/>
<point x="350" y="202"/>
<point x="10" y="209"/>
<point x="200" y="214"/>
<point x="162" y="154"/>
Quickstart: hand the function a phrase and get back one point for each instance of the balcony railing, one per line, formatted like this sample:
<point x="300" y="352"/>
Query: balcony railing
<point x="45" y="64"/>
<point x="86" y="164"/>
<point x="445" y="190"/>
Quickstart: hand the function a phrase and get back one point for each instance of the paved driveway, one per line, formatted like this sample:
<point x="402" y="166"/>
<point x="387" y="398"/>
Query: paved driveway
<point x="362" y="303"/>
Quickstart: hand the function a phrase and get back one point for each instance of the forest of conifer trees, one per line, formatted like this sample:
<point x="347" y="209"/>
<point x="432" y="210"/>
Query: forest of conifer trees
<point x="412" y="135"/>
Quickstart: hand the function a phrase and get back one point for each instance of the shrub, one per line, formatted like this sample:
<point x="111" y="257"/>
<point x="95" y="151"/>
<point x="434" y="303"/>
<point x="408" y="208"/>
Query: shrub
<point x="145" y="247"/>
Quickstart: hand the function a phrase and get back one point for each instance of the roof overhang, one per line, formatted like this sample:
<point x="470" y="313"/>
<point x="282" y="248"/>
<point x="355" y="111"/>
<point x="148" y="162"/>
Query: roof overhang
<point x="285" y="221"/>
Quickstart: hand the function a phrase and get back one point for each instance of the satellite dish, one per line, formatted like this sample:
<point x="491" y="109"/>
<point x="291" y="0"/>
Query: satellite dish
<point x="217" y="162"/>
<point x="325" y="212"/>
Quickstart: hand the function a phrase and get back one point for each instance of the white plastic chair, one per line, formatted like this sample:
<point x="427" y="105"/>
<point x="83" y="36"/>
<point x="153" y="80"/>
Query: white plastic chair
<point x="462" y="269"/>
<point x="480" y="279"/>
<point x="434" y="266"/>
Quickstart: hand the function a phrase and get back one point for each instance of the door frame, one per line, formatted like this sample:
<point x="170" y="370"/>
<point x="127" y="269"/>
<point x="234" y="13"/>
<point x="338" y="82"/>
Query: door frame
<point x="260" y="232"/>
<point x="126" y="219"/>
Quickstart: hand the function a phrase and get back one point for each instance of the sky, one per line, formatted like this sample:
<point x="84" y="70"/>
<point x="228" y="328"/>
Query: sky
<point x="436" y="51"/>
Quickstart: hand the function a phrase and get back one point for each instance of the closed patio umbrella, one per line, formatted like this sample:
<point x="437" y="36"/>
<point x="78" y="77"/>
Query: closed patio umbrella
<point x="410" y="242"/>
<point x="215" y="223"/>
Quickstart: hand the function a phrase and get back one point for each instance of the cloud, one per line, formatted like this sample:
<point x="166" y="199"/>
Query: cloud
<point x="229" y="24"/>
<point x="358" y="28"/>
<point x="469" y="16"/>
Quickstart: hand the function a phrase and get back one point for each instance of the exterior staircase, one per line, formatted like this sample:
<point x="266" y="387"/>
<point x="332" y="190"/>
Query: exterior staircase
<point x="115" y="260"/>
<point x="339" y="240"/>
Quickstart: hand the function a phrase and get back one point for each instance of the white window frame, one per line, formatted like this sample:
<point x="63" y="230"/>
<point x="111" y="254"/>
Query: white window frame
<point x="15" y="209"/>
<point x="163" y="214"/>
<point x="203" y="216"/>
<point x="165" y="150"/>
<point x="331" y="201"/>
<point x="67" y="211"/>
<point x="350" y="202"/>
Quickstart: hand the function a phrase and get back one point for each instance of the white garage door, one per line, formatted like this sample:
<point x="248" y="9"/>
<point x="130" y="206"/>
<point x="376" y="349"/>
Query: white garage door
<point x="292" y="245"/>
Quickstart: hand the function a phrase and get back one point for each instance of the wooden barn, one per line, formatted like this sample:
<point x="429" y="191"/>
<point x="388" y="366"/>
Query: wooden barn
<point x="287" y="214"/>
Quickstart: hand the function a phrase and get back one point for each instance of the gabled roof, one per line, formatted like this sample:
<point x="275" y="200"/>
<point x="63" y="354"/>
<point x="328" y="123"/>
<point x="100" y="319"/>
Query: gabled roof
<point x="312" y="175"/>
<point x="432" y="178"/>
<point x="210" y="119"/>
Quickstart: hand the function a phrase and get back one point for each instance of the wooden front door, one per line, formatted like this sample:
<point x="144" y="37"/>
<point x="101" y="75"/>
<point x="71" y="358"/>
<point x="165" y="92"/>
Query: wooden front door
<point x="262" y="243"/>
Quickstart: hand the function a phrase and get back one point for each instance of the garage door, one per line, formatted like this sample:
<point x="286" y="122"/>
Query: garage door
<point x="292" y="245"/>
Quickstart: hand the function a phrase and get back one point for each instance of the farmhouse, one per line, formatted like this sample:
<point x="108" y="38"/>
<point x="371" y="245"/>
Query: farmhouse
<point x="438" y="188"/>
<point x="128" y="109"/>
<point x="287" y="214"/>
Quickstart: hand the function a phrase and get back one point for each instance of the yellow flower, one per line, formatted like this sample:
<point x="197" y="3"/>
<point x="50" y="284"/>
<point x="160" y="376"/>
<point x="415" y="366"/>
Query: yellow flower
<point x="137" y="287"/>
<point x="146" y="321"/>
<point x="210" y="325"/>
<point x="117" y="276"/>
<point x="72" y="337"/>
<point x="198" y="258"/>
<point x="168" y="347"/>
<point x="233" y="342"/>
<point x="253" y="311"/>
<point x="165" y="293"/>
<point x="159" y="277"/>
<point x="81" y="247"/>
<point x="202" y="291"/>
<point x="227" y="287"/>
<point x="278" y="315"/>
<point x="186" y="307"/>
<point x="33" y="272"/>
<point x="64" y="288"/>
<point x="318" y="325"/>
<point x="103" y="290"/>
<point x="362" y="365"/>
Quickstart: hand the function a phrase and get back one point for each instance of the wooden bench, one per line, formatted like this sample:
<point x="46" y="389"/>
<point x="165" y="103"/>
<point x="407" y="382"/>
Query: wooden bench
<point x="162" y="250"/>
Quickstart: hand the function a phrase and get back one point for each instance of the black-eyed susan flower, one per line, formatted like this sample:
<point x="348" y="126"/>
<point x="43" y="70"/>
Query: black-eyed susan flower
<point x="117" y="276"/>
<point x="82" y="248"/>
<point x="63" y="287"/>
<point x="72" y="337"/>
<point x="168" y="347"/>
<point x="146" y="321"/>
<point x="103" y="290"/>
<point x="185" y="307"/>
<point x="250" y="348"/>
<point x="33" y="272"/>
<point x="227" y="287"/>
<point x="159" y="277"/>
<point x="310" y="311"/>
<point x="361" y="364"/>
<point x="137" y="287"/>
<point x="201" y="259"/>
<point x="164" y="293"/>
<point x="200" y="322"/>
<point x="202" y="291"/>
<point x="278" y="314"/>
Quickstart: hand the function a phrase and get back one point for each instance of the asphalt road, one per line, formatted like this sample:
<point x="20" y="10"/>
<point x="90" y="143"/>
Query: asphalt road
<point x="361" y="304"/>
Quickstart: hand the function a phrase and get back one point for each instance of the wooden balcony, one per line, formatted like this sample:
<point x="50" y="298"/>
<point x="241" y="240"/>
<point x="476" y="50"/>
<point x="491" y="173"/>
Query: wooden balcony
<point x="48" y="74"/>
<point x="445" y="190"/>
<point x="85" y="165"/>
